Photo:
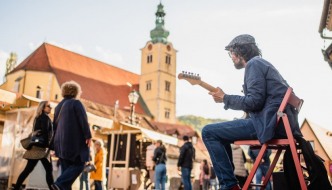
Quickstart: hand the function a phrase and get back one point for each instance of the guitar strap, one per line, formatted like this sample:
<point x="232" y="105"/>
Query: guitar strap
<point x="57" y="119"/>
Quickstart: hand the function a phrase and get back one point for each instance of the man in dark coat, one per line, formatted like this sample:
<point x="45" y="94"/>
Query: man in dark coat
<point x="72" y="136"/>
<point x="264" y="89"/>
<point x="185" y="162"/>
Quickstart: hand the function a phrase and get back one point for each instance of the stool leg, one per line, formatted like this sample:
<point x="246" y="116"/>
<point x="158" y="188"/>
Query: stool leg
<point x="294" y="152"/>
<point x="272" y="166"/>
<point x="254" y="168"/>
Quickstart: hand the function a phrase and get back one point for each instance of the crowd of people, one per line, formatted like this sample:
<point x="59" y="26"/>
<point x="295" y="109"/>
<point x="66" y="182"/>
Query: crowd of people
<point x="69" y="138"/>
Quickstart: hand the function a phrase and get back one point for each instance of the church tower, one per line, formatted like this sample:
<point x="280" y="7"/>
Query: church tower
<point x="158" y="72"/>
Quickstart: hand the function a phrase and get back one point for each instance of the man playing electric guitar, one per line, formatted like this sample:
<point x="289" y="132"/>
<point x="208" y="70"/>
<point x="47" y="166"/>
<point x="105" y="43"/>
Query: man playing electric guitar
<point x="264" y="89"/>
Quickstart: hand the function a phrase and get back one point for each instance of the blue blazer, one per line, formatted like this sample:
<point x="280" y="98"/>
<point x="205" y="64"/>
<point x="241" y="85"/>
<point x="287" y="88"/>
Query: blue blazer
<point x="264" y="89"/>
<point x="71" y="131"/>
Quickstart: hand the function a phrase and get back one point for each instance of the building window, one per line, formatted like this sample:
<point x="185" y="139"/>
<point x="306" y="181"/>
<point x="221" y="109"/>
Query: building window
<point x="167" y="86"/>
<point x="38" y="92"/>
<point x="16" y="86"/>
<point x="148" y="85"/>
<point x="168" y="59"/>
<point x="167" y="113"/>
<point x="149" y="59"/>
<point x="17" y="83"/>
<point x="56" y="97"/>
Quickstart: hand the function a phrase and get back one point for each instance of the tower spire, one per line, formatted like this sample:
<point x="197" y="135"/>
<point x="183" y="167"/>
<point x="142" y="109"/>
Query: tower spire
<point x="159" y="33"/>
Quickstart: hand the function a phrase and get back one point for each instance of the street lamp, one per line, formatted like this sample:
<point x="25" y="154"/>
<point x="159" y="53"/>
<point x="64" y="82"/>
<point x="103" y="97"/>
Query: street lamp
<point x="133" y="98"/>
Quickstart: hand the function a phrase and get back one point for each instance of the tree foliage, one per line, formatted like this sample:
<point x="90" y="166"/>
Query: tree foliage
<point x="197" y="122"/>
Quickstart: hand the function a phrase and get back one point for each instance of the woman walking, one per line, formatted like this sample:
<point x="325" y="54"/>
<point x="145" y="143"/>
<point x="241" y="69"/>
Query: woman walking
<point x="42" y="126"/>
<point x="160" y="170"/>
<point x="72" y="136"/>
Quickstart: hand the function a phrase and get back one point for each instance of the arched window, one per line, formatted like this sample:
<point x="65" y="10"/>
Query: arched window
<point x="149" y="59"/>
<point x="168" y="59"/>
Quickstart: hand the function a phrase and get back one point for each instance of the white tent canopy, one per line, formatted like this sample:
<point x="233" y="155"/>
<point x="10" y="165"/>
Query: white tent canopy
<point x="155" y="135"/>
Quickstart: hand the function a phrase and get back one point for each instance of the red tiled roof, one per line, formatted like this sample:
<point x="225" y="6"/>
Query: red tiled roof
<point x="36" y="61"/>
<point x="98" y="91"/>
<point x="101" y="83"/>
<point x="48" y="57"/>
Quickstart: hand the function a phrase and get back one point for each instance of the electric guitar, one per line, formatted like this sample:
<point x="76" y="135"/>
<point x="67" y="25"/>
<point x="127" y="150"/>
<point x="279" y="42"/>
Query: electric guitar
<point x="195" y="79"/>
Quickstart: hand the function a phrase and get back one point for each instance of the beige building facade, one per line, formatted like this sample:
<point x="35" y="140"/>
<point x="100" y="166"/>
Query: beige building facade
<point x="158" y="80"/>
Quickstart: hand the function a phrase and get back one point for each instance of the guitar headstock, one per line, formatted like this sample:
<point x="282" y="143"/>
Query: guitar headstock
<point x="192" y="78"/>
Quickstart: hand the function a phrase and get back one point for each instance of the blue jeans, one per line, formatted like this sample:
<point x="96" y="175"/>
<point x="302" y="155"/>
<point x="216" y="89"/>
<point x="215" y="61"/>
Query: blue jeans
<point x="84" y="179"/>
<point x="214" y="184"/>
<point x="218" y="138"/>
<point x="70" y="171"/>
<point x="186" y="178"/>
<point x="261" y="171"/>
<point x="160" y="177"/>
<point x="98" y="185"/>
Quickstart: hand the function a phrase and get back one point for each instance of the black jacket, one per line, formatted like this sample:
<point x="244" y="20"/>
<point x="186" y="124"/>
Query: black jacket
<point x="43" y="124"/>
<point x="71" y="131"/>
<point x="187" y="155"/>
<point x="159" y="156"/>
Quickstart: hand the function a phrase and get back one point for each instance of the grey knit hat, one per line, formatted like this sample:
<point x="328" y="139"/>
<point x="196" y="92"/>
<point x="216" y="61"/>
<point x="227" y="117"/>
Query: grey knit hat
<point x="241" y="40"/>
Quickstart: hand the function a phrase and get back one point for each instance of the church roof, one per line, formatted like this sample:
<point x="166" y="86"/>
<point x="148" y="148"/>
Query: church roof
<point x="48" y="57"/>
<point x="101" y="83"/>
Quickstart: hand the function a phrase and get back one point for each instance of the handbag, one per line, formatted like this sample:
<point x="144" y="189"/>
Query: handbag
<point x="26" y="142"/>
<point x="37" y="139"/>
<point x="89" y="168"/>
<point x="32" y="139"/>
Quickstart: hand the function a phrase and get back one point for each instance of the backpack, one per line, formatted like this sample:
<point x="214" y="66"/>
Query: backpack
<point x="317" y="179"/>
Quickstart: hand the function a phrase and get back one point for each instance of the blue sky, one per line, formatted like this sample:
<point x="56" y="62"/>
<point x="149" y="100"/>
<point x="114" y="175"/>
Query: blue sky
<point x="115" y="31"/>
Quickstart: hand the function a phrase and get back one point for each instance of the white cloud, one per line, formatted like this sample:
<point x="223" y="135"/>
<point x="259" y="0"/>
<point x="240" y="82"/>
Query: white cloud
<point x="109" y="56"/>
<point x="33" y="46"/>
<point x="77" y="48"/>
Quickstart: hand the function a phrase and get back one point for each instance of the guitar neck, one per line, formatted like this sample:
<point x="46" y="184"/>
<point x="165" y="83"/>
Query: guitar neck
<point x="207" y="86"/>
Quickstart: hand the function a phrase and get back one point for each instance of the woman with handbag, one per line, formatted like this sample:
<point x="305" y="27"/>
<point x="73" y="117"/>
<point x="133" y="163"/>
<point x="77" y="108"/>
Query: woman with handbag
<point x="43" y="130"/>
